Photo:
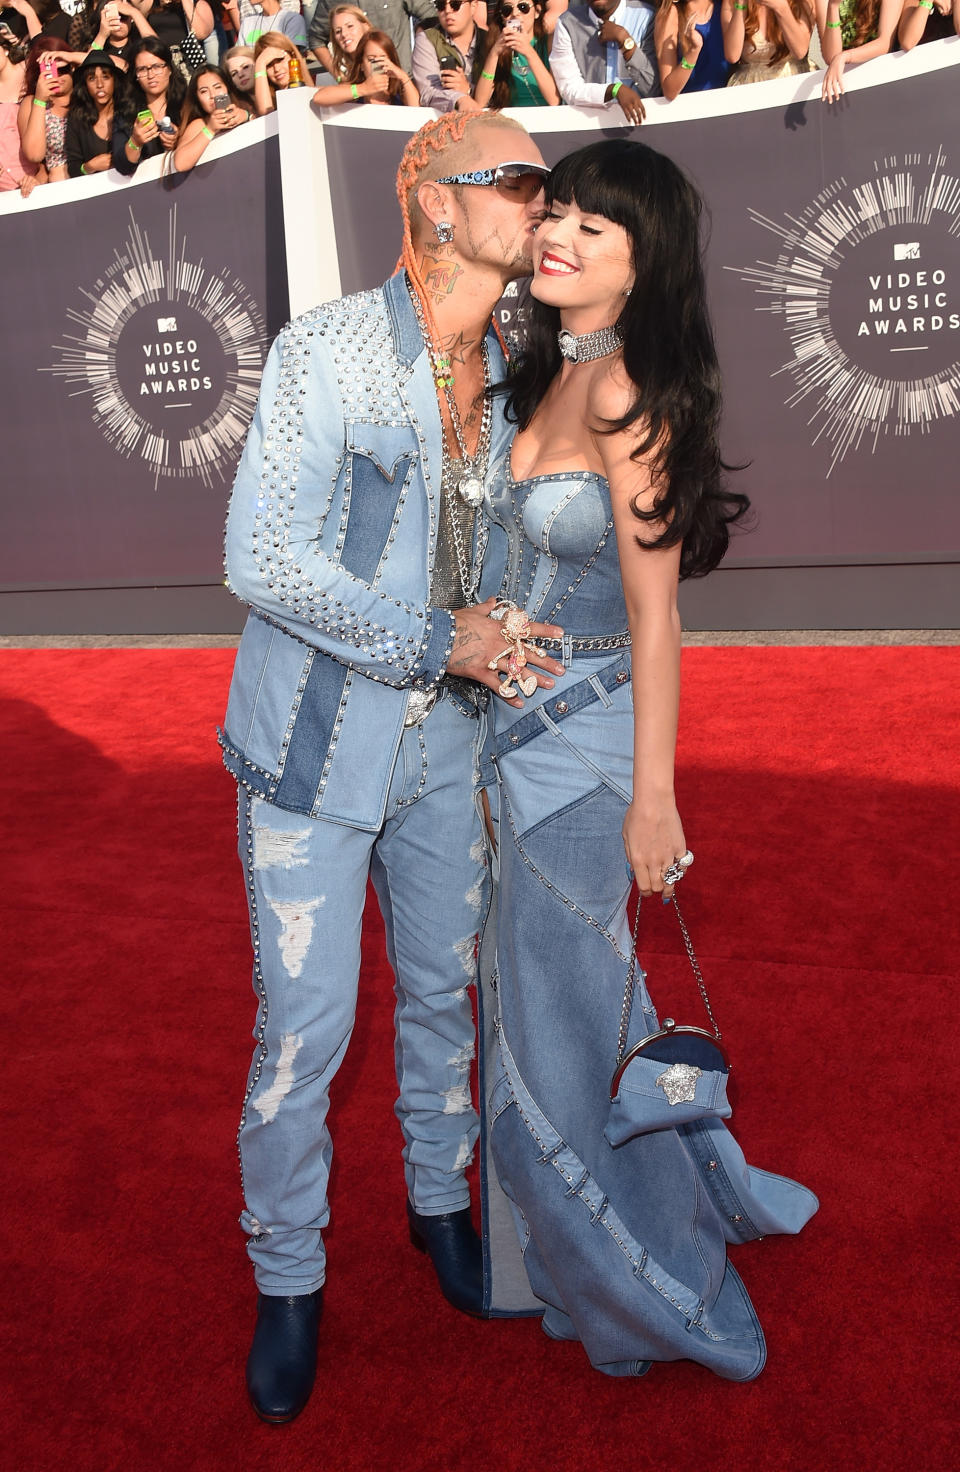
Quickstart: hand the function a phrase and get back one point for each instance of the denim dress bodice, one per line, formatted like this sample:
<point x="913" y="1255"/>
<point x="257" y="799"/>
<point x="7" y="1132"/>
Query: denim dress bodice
<point x="561" y="548"/>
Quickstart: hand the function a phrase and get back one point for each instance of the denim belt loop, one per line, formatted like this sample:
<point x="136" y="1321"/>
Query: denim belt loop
<point x="566" y="649"/>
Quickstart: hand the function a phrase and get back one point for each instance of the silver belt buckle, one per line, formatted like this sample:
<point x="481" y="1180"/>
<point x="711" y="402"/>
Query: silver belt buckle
<point x="419" y="705"/>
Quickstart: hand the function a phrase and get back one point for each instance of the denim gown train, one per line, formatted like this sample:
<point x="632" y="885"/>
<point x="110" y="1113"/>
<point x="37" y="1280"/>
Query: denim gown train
<point x="626" y="1246"/>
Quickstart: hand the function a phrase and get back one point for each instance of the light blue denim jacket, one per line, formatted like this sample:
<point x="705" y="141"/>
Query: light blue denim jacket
<point x="331" y="538"/>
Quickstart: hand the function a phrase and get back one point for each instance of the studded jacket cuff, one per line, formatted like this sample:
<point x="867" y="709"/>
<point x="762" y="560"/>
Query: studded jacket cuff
<point x="432" y="664"/>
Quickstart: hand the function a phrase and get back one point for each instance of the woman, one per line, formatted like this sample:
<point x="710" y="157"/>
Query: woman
<point x="158" y="89"/>
<point x="120" y="27"/>
<point x="184" y="26"/>
<point x="376" y="59"/>
<point x="693" y="54"/>
<point x="238" y="64"/>
<point x="211" y="106"/>
<point x="348" y="26"/>
<point x="774" y="38"/>
<point x="277" y="64"/>
<point x="17" y="171"/>
<point x="516" y="72"/>
<point x="97" y="98"/>
<point x="43" y="111"/>
<point x="611" y="491"/>
<point x="851" y="32"/>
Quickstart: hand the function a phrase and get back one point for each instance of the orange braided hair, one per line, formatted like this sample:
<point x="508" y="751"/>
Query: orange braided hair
<point x="421" y="149"/>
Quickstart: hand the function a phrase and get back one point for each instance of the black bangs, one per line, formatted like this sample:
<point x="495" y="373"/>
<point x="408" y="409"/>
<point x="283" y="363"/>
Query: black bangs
<point x="602" y="179"/>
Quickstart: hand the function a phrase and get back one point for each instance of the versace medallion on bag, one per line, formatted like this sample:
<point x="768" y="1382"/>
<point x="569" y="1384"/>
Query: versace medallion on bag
<point x="671" y="1077"/>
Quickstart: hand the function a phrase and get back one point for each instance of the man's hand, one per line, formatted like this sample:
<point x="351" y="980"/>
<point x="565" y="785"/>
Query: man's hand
<point x="612" y="35"/>
<point x="632" y="104"/>
<point x="454" y="79"/>
<point x="479" y="639"/>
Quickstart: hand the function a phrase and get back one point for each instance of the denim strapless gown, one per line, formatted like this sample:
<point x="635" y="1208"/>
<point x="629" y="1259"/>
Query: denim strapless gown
<point x="624" y="1248"/>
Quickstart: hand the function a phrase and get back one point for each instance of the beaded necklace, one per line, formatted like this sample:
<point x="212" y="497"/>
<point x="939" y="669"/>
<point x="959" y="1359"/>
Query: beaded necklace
<point x="461" y="478"/>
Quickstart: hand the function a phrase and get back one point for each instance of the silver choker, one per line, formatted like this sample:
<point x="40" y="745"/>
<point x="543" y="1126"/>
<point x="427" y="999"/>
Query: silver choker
<point x="589" y="345"/>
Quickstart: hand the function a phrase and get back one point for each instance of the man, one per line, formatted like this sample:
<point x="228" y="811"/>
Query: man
<point x="391" y="16"/>
<point x="269" y="15"/>
<point x="353" y="716"/>
<point x="447" y="58"/>
<point x="604" y="53"/>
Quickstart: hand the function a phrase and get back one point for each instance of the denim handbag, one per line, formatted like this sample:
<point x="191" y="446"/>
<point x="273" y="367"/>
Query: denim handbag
<point x="671" y="1077"/>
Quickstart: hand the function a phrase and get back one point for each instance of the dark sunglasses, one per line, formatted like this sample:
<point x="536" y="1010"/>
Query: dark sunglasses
<point x="453" y="5"/>
<point x="522" y="6"/>
<point x="519" y="182"/>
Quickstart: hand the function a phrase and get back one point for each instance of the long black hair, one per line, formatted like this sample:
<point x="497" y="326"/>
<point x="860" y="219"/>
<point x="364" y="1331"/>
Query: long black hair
<point x="176" y="86"/>
<point x="82" y="104"/>
<point x="668" y="348"/>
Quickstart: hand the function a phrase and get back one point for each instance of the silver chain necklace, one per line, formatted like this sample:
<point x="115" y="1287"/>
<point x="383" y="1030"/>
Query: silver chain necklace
<point x="460" y="478"/>
<point x="589" y="345"/>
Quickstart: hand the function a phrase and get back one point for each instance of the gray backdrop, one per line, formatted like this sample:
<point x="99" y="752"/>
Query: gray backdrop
<point x="851" y="430"/>
<point x="132" y="362"/>
<point x="134" y="341"/>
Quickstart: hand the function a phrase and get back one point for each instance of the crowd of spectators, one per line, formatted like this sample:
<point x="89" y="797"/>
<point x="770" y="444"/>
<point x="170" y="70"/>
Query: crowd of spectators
<point x="88" y="85"/>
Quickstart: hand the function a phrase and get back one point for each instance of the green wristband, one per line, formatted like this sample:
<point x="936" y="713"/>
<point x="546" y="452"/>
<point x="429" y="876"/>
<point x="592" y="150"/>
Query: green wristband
<point x="489" y="76"/>
<point x="39" y="102"/>
<point x="206" y="131"/>
<point x="354" y="92"/>
<point x="926" y="4"/>
<point x="834" y="25"/>
<point x="615" y="89"/>
<point x="739" y="7"/>
<point x="688" y="66"/>
<point x="83" y="170"/>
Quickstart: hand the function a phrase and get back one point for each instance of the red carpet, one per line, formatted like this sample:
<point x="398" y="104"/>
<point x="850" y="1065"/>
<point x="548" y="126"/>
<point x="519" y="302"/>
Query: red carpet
<point x="819" y="792"/>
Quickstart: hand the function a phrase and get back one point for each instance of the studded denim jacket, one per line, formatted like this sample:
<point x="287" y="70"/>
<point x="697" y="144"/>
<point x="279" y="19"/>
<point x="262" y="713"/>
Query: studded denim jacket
<point x="331" y="537"/>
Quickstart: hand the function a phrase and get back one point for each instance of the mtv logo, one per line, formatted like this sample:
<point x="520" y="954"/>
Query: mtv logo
<point x="169" y="324"/>
<point x="910" y="251"/>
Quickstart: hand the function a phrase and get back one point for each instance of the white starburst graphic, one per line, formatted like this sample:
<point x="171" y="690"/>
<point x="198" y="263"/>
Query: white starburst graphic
<point x="867" y="284"/>
<point x="170" y="352"/>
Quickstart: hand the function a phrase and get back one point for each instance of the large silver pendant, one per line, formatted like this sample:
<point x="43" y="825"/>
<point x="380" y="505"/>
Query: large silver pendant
<point x="470" y="491"/>
<point x="679" y="1083"/>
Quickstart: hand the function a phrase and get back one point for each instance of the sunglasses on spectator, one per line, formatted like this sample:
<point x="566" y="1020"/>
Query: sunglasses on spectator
<point x="522" y="6"/>
<point x="151" y="71"/>
<point x="453" y="5"/>
<point x="519" y="182"/>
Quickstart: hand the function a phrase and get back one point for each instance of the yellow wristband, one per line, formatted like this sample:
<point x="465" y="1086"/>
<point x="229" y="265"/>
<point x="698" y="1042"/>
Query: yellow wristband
<point x="259" y="74"/>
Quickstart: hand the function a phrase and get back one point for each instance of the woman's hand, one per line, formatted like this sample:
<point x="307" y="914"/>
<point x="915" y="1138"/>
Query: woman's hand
<point x="222" y="119"/>
<point x="269" y="54"/>
<point x="28" y="184"/>
<point x="376" y="85"/>
<point x="652" y="839"/>
<point x="142" y="133"/>
<point x="832" y="89"/>
<point x="691" y="40"/>
<point x="517" y="42"/>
